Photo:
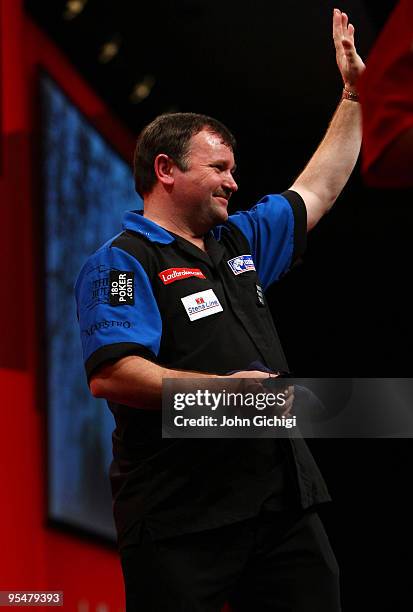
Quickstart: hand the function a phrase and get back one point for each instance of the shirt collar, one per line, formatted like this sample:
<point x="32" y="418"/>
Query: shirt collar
<point x="135" y="221"/>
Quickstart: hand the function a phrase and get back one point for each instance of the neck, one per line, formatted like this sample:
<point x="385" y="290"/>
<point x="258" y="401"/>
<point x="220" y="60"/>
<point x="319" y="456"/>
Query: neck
<point x="176" y="226"/>
<point x="172" y="220"/>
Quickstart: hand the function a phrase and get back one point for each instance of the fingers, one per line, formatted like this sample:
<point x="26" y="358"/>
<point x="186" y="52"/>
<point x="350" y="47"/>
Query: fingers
<point x="289" y="403"/>
<point x="348" y="28"/>
<point x="341" y="27"/>
<point x="253" y="374"/>
<point x="249" y="374"/>
<point x="337" y="25"/>
<point x="289" y="400"/>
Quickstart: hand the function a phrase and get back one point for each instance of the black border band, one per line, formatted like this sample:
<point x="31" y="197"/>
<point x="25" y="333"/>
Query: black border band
<point x="300" y="223"/>
<point x="114" y="352"/>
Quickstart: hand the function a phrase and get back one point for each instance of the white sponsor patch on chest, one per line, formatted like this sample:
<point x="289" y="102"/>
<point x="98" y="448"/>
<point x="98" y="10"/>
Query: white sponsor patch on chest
<point x="201" y="304"/>
<point x="240" y="264"/>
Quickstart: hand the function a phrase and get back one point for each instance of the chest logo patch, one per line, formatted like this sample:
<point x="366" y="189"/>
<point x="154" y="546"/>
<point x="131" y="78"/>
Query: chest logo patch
<point x="173" y="274"/>
<point x="202" y="304"/>
<point x="240" y="264"/>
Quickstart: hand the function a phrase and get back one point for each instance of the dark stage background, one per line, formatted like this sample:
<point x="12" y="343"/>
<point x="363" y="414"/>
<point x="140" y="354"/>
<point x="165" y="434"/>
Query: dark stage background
<point x="269" y="73"/>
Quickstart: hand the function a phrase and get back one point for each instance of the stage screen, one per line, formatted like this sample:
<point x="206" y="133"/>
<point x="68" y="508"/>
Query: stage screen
<point x="86" y="188"/>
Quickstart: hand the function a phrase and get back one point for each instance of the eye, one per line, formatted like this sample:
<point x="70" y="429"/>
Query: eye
<point x="219" y="167"/>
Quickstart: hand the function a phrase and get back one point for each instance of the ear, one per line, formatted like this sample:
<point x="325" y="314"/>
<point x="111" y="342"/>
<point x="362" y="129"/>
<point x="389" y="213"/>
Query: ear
<point x="164" y="169"/>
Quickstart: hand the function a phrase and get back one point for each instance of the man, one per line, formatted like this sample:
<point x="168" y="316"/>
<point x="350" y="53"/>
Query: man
<point x="202" y="522"/>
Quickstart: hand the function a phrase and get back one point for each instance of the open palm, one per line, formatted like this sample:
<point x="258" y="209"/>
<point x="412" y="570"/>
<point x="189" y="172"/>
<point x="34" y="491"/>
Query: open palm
<point x="349" y="62"/>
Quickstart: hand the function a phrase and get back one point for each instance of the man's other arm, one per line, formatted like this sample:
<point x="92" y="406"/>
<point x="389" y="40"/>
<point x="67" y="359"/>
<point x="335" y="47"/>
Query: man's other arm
<point x="328" y="170"/>
<point x="137" y="382"/>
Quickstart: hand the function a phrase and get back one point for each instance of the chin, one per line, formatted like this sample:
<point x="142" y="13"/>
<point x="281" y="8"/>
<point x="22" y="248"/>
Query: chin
<point x="220" y="216"/>
<point x="216" y="215"/>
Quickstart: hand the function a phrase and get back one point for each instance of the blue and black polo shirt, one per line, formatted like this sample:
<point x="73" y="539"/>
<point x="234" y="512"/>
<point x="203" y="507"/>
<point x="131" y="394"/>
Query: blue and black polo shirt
<point x="151" y="293"/>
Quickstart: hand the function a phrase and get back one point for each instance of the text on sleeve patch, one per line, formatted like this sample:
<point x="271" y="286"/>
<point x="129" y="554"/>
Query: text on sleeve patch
<point x="121" y="288"/>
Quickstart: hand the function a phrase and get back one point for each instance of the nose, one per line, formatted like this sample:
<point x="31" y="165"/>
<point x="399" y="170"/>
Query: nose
<point x="230" y="183"/>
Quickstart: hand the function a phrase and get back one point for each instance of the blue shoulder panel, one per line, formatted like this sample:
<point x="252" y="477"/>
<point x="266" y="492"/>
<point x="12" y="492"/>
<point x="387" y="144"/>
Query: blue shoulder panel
<point x="269" y="228"/>
<point x="115" y="303"/>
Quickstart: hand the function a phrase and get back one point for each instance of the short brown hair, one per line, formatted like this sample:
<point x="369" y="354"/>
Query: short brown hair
<point x="170" y="134"/>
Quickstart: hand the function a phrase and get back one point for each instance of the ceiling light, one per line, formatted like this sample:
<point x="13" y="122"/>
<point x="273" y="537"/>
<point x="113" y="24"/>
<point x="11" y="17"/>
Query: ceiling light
<point x="73" y="8"/>
<point x="142" y="89"/>
<point x="109" y="49"/>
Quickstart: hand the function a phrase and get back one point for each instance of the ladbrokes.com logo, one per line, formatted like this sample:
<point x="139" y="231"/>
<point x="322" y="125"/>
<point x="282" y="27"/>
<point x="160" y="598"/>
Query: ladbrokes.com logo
<point x="173" y="274"/>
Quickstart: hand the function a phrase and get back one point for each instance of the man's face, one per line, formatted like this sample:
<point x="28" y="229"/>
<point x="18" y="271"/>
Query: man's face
<point x="208" y="183"/>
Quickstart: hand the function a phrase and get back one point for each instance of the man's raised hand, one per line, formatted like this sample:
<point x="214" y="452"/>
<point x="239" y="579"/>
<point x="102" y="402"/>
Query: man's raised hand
<point x="349" y="62"/>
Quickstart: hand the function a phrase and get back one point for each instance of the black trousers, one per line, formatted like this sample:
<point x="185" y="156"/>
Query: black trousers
<point x="273" y="562"/>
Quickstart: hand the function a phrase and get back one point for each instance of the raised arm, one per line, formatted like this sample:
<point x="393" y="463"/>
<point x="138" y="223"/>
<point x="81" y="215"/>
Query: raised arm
<point x="328" y="170"/>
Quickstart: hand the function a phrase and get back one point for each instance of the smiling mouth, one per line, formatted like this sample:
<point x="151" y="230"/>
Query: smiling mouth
<point x="221" y="198"/>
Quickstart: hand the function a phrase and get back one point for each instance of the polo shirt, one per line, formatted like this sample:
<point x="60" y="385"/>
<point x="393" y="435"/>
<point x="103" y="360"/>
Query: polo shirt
<point x="151" y="293"/>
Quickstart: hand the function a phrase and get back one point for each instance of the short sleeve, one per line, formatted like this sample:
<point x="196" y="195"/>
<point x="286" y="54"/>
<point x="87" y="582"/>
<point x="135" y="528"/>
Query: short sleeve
<point x="276" y="229"/>
<point x="117" y="311"/>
